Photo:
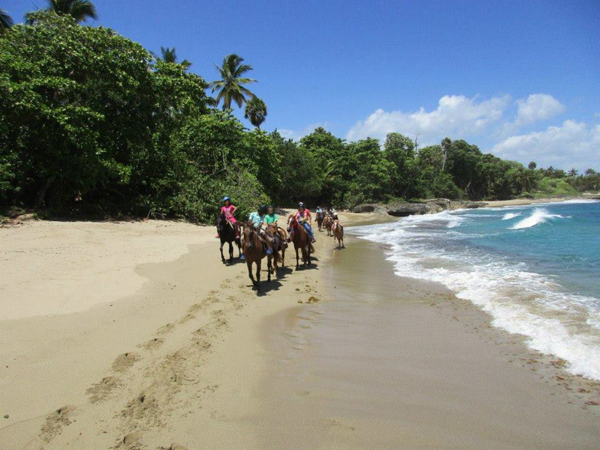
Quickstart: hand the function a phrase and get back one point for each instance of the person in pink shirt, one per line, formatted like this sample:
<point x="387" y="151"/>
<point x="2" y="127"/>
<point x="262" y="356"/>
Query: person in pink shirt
<point x="228" y="210"/>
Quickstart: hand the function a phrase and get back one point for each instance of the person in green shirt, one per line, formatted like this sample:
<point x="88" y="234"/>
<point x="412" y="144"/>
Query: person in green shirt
<point x="271" y="217"/>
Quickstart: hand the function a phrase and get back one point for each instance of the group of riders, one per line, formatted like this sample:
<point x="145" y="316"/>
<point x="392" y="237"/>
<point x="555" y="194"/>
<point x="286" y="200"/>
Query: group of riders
<point x="265" y="215"/>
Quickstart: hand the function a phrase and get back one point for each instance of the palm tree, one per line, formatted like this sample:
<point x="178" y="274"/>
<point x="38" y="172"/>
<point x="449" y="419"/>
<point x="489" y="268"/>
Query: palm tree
<point x="5" y="21"/>
<point x="170" y="55"/>
<point x="446" y="142"/>
<point x="573" y="172"/>
<point x="230" y="85"/>
<point x="256" y="111"/>
<point x="80" y="10"/>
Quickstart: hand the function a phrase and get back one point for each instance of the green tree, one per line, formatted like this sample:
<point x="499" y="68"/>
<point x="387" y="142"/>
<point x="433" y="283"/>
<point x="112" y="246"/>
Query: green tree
<point x="231" y="85"/>
<point x="169" y="55"/>
<point x="256" y="111"/>
<point x="5" y="20"/>
<point x="80" y="10"/>
<point x="77" y="114"/>
<point x="464" y="164"/>
<point x="300" y="176"/>
<point x="369" y="177"/>
<point x="399" y="151"/>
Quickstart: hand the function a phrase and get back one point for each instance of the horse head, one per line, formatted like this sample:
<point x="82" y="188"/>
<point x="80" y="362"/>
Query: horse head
<point x="249" y="233"/>
<point x="292" y="222"/>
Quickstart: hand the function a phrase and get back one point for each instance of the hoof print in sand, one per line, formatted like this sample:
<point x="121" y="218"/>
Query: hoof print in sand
<point x="103" y="389"/>
<point x="125" y="361"/>
<point x="165" y="329"/>
<point x="153" y="344"/>
<point x="56" y="421"/>
<point x="131" y="442"/>
<point x="144" y="406"/>
<point x="174" y="447"/>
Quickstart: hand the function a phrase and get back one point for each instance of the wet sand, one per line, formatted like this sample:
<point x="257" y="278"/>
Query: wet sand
<point x="390" y="362"/>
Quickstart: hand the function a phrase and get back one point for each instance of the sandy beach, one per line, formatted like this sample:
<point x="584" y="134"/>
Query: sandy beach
<point x="135" y="336"/>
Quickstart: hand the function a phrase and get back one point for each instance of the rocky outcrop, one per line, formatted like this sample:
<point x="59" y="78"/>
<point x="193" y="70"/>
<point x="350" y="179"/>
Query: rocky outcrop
<point x="366" y="208"/>
<point x="407" y="209"/>
<point x="431" y="206"/>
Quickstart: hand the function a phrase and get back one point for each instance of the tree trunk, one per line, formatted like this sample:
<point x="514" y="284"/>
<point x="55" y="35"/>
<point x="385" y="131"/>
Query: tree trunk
<point x="42" y="194"/>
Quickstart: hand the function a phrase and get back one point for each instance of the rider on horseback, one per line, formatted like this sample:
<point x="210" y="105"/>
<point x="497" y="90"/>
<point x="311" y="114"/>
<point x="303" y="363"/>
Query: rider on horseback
<point x="228" y="210"/>
<point x="257" y="219"/>
<point x="271" y="216"/>
<point x="303" y="218"/>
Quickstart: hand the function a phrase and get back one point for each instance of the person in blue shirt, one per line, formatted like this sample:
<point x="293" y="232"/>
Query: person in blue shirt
<point x="258" y="218"/>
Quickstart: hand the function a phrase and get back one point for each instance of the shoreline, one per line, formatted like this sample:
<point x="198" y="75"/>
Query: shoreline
<point x="381" y="363"/>
<point x="183" y="360"/>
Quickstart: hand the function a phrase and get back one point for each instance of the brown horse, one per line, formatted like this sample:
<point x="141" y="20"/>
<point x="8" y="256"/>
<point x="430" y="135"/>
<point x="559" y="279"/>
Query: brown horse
<point x="328" y="222"/>
<point x="278" y="244"/>
<point x="320" y="220"/>
<point x="254" y="251"/>
<point x="301" y="240"/>
<point x="338" y="233"/>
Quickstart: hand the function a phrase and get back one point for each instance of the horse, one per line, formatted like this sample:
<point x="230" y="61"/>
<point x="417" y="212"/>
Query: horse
<point x="226" y="232"/>
<point x="338" y="233"/>
<point x="255" y="251"/>
<point x="278" y="244"/>
<point x="328" y="222"/>
<point x="320" y="220"/>
<point x="301" y="241"/>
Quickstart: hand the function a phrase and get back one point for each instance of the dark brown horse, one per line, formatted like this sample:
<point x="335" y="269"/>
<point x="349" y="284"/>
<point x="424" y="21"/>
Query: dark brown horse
<point x="227" y="234"/>
<point x="301" y="240"/>
<point x="328" y="222"/>
<point x="254" y="251"/>
<point x="338" y="233"/>
<point x="320" y="218"/>
<point x="278" y="238"/>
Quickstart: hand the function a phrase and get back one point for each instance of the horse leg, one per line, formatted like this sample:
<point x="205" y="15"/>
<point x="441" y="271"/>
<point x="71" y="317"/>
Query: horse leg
<point x="239" y="246"/>
<point x="250" y="272"/>
<point x="230" y="252"/>
<point x="258" y="264"/>
<point x="297" y="258"/>
<point x="222" y="257"/>
<point x="269" y="267"/>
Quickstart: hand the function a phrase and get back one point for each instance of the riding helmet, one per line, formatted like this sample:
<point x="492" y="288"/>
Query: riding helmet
<point x="300" y="205"/>
<point x="263" y="209"/>
<point x="225" y="199"/>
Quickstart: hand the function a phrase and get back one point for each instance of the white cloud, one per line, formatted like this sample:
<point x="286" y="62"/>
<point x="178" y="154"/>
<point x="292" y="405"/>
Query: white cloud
<point x="572" y="144"/>
<point x="456" y="115"/>
<point x="297" y="135"/>
<point x="537" y="107"/>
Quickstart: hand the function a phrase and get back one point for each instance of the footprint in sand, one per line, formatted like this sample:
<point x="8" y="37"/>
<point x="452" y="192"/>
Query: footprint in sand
<point x="55" y="422"/>
<point x="125" y="361"/>
<point x="103" y="389"/>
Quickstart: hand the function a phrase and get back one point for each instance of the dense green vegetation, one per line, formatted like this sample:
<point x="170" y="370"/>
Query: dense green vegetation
<point x="91" y="122"/>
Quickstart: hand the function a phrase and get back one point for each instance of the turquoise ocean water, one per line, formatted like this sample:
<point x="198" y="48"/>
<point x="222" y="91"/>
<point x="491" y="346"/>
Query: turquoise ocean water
<point x="535" y="269"/>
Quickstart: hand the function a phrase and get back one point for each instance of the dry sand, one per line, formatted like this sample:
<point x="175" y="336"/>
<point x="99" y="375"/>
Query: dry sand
<point x="134" y="335"/>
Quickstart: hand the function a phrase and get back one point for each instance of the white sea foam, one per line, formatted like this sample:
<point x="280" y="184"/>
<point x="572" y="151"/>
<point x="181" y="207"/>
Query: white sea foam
<point x="520" y="301"/>
<point x="509" y="216"/>
<point x="579" y="200"/>
<point x="538" y="216"/>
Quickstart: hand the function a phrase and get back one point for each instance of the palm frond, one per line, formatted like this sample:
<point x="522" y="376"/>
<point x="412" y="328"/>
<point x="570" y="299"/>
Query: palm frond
<point x="5" y="20"/>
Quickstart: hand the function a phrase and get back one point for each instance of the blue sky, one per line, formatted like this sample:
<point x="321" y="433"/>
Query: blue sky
<point x="518" y="78"/>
